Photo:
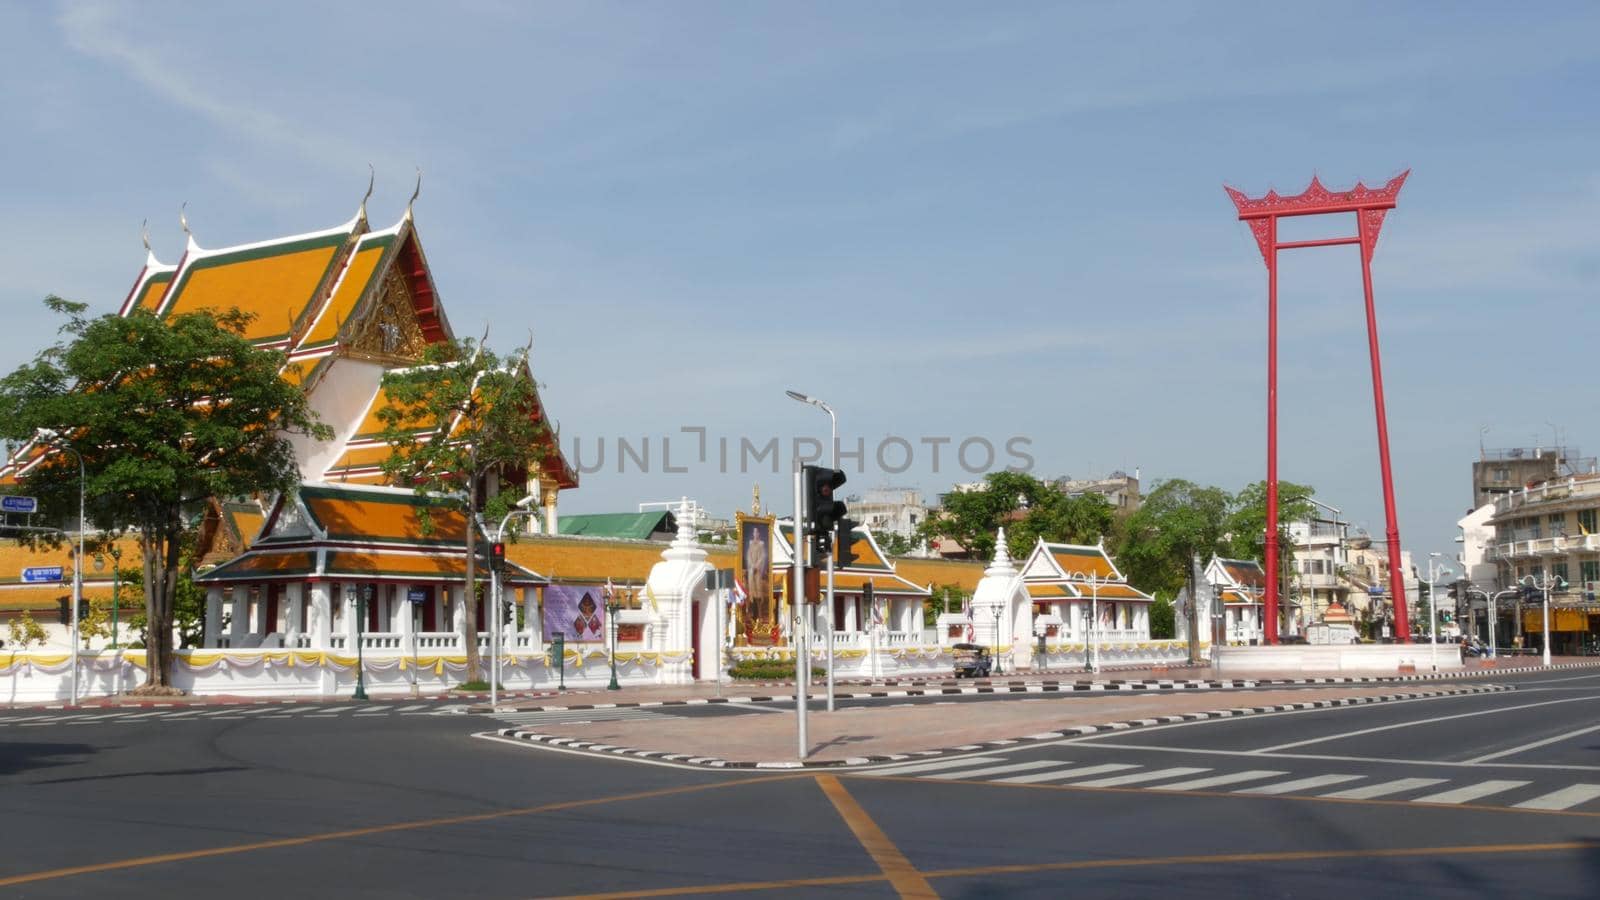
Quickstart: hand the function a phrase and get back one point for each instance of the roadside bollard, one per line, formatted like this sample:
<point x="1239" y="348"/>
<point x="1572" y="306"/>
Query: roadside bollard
<point x="558" y="649"/>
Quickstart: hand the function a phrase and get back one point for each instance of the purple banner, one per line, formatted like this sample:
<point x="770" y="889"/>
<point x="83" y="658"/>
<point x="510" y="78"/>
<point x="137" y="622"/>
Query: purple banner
<point x="577" y="612"/>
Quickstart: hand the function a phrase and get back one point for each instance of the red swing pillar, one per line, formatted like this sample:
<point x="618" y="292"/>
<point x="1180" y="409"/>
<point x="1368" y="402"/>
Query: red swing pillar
<point x="1262" y="214"/>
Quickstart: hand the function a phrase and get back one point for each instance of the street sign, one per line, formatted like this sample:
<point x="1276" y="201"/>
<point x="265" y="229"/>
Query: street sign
<point x="417" y="595"/>
<point x="43" y="574"/>
<point x="19" y="504"/>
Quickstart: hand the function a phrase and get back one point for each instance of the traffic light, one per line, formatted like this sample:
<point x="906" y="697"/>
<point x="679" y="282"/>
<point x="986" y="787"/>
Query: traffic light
<point x="822" y="511"/>
<point x="497" y="557"/>
<point x="845" y="542"/>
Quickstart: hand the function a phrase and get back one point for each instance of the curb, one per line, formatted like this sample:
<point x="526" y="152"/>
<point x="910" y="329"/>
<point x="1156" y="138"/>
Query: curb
<point x="712" y="762"/>
<point x="200" y="700"/>
<point x="945" y="689"/>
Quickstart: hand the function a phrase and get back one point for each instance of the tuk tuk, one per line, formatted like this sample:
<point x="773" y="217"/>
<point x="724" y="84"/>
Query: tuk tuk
<point x="972" y="660"/>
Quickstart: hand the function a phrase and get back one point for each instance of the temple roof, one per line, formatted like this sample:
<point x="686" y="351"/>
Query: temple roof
<point x="1083" y="571"/>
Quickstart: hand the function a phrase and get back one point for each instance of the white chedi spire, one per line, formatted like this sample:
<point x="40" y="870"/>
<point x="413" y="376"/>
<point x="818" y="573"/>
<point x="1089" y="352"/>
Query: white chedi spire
<point x="1002" y="558"/>
<point x="684" y="546"/>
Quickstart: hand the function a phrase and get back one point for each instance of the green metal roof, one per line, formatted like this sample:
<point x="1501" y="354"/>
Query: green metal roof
<point x="638" y="526"/>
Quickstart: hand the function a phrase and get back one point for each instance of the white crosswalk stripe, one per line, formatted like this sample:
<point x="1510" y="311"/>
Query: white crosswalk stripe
<point x="1566" y="798"/>
<point x="1471" y="792"/>
<point x="997" y="770"/>
<point x="1200" y="784"/>
<point x="1139" y="777"/>
<point x="1300" y="784"/>
<point x="939" y="764"/>
<point x="1385" y="789"/>
<point x="572" y="716"/>
<point x="1068" y="771"/>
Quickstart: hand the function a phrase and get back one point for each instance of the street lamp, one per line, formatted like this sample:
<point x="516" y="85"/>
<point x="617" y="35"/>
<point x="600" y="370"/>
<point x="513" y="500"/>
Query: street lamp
<point x="1544" y="586"/>
<point x="116" y="589"/>
<point x="611" y="614"/>
<point x="60" y="443"/>
<point x="833" y="422"/>
<point x="1434" y="571"/>
<point x="362" y="596"/>
<point x="998" y="611"/>
<point x="524" y="507"/>
<point x="1092" y="657"/>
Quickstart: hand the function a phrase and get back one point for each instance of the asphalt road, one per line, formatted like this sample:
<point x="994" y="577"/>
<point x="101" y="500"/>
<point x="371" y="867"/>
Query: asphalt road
<point x="1470" y="796"/>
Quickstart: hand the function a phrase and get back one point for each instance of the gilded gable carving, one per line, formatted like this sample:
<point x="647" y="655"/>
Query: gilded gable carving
<point x="389" y="328"/>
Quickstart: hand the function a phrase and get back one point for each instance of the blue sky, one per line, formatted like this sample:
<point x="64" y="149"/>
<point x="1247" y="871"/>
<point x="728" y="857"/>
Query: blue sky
<point x="949" y="220"/>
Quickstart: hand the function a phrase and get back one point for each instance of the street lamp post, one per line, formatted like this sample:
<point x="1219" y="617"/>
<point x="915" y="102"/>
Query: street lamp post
<point x="1543" y="586"/>
<point x="833" y="422"/>
<point x="362" y="596"/>
<point x="116" y="589"/>
<point x="524" y="507"/>
<point x="611" y="613"/>
<point x="59" y="443"/>
<point x="1434" y="571"/>
<point x="998" y="612"/>
<point x="1092" y="652"/>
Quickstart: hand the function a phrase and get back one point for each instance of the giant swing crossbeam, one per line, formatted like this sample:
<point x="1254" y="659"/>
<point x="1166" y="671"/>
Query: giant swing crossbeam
<point x="1262" y="214"/>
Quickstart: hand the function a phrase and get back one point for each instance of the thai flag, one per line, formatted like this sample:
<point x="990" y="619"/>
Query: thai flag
<point x="739" y="595"/>
<point x="971" y="634"/>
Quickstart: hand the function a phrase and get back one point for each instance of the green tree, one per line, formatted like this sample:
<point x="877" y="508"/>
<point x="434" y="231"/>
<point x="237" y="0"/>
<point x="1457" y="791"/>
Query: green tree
<point x="488" y="406"/>
<point x="1247" y="525"/>
<point x="895" y="544"/>
<point x="1027" y="507"/>
<point x="24" y="630"/>
<point x="1162" y="624"/>
<point x="945" y="598"/>
<point x="165" y="414"/>
<point x="1177" y="522"/>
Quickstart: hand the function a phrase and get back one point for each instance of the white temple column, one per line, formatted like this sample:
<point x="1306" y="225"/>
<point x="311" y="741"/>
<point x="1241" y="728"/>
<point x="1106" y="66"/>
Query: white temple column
<point x="552" y="522"/>
<point x="458" y="615"/>
<point x="676" y="582"/>
<point x="321" y="614"/>
<point x="263" y="606"/>
<point x="292" y="595"/>
<point x="404" y="617"/>
<point x="239" y="608"/>
<point x="530" y="615"/>
<point x="213" y="615"/>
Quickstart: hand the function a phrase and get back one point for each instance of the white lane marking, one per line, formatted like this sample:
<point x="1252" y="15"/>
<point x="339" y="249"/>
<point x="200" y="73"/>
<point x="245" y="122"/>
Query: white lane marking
<point x="938" y="764"/>
<point x="31" y="719"/>
<point x="1200" y="784"/>
<point x="96" y="718"/>
<point x="1138" y="777"/>
<point x="147" y="715"/>
<point x="382" y="708"/>
<point x="1566" y="798"/>
<point x="181" y="715"/>
<point x="1068" y="772"/>
<point x="1415" y="722"/>
<point x="1534" y="744"/>
<point x="1332" y="706"/>
<point x="1299" y="784"/>
<point x="413" y="707"/>
<point x="1384" y="789"/>
<point x="998" y="770"/>
<point x="1472" y="791"/>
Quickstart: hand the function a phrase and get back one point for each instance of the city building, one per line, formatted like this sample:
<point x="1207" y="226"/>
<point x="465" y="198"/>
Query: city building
<point x="1120" y="488"/>
<point x="1549" y="533"/>
<point x="1318" y="580"/>
<point x="889" y="510"/>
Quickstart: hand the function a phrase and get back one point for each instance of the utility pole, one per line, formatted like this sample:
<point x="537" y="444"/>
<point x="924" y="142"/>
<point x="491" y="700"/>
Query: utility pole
<point x="1193" y="612"/>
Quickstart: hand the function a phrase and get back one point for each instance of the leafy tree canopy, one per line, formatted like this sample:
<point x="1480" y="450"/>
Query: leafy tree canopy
<point x="1027" y="507"/>
<point x="165" y="414"/>
<point x="461" y="415"/>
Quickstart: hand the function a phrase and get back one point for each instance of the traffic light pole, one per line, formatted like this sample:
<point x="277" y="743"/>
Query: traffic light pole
<point x="802" y="661"/>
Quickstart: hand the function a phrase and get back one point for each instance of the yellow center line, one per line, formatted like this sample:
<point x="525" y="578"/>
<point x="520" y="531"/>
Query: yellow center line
<point x="185" y="855"/>
<point x="903" y="876"/>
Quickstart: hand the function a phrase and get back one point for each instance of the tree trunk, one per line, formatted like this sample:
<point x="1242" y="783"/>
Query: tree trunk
<point x="160" y="557"/>
<point x="470" y="612"/>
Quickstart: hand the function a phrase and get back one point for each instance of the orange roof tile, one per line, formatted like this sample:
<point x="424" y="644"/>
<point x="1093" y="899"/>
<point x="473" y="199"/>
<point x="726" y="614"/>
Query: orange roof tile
<point x="358" y="275"/>
<point x="960" y="573"/>
<point x="381" y="517"/>
<point x="277" y="282"/>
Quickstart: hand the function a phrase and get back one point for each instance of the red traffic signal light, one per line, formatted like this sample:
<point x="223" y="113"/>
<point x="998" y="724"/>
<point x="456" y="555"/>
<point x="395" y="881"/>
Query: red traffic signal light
<point x="497" y="556"/>
<point x="822" y="510"/>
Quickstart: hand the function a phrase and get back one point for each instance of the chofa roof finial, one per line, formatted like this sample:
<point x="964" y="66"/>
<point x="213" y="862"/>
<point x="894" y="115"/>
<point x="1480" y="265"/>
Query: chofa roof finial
<point x="415" y="193"/>
<point x="372" y="177"/>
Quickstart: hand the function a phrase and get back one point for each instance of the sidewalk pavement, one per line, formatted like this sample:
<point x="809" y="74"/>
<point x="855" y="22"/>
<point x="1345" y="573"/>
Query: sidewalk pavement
<point x="880" y="731"/>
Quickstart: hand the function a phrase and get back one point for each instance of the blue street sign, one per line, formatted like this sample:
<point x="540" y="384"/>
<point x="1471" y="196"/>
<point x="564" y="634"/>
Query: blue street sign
<point x="417" y="595"/>
<point x="43" y="574"/>
<point x="17" y="504"/>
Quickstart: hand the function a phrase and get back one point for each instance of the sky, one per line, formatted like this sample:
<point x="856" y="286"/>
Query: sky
<point x="961" y="225"/>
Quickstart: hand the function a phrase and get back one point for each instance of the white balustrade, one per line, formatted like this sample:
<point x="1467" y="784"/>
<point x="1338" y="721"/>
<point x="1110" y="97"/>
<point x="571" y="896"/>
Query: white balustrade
<point x="382" y="640"/>
<point x="437" y="640"/>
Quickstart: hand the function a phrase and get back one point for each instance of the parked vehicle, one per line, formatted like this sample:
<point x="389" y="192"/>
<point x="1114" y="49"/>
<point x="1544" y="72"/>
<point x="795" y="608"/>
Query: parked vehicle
<point x="972" y="660"/>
